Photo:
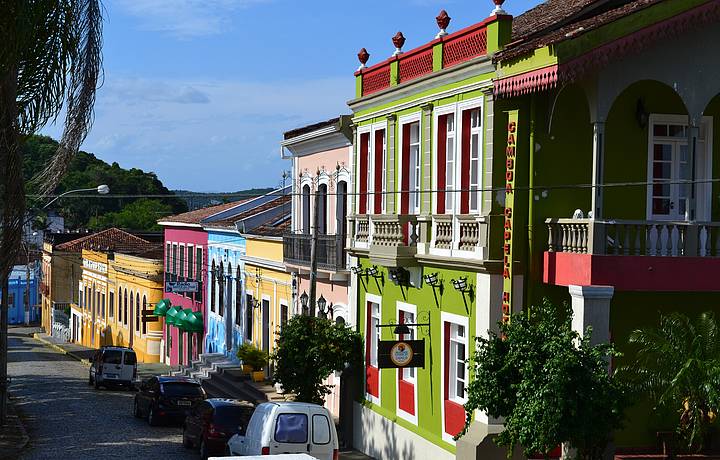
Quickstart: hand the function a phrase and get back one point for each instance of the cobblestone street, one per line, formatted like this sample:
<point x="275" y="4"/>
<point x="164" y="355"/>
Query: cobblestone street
<point x="67" y="419"/>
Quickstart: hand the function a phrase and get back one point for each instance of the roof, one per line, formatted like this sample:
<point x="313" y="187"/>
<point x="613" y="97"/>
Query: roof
<point x="229" y="223"/>
<point x="277" y="228"/>
<point x="310" y="128"/>
<point x="112" y="239"/>
<point x="60" y="238"/>
<point x="197" y="216"/>
<point x="558" y="20"/>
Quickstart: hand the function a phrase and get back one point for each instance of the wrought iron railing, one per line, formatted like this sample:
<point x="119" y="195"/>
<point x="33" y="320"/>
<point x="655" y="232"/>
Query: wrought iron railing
<point x="330" y="250"/>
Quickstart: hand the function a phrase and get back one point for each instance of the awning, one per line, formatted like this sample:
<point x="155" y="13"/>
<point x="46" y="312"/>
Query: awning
<point x="193" y="322"/>
<point x="171" y="314"/>
<point x="162" y="307"/>
<point x="180" y="318"/>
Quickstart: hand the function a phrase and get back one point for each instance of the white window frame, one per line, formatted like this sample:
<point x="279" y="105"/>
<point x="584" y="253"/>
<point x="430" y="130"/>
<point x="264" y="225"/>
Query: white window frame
<point x="462" y="321"/>
<point x="369" y="179"/>
<point x="449" y="109"/>
<point x="378" y="336"/>
<point x="190" y="249"/>
<point x="477" y="103"/>
<point x="702" y="169"/>
<point x="411" y="309"/>
<point x="413" y="195"/>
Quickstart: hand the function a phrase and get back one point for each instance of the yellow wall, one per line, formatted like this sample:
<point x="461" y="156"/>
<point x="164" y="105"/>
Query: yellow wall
<point x="62" y="272"/>
<point x="94" y="288"/>
<point x="271" y="284"/>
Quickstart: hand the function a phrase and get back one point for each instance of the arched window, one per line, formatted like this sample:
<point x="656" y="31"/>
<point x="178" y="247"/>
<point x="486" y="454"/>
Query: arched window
<point x="212" y="287"/>
<point x="125" y="315"/>
<point x="322" y="209"/>
<point x="221" y="290"/>
<point x="144" y="323"/>
<point x="306" y="209"/>
<point x="341" y="209"/>
<point x="137" y="312"/>
<point x="132" y="305"/>
<point x="228" y="289"/>
<point x="238" y="296"/>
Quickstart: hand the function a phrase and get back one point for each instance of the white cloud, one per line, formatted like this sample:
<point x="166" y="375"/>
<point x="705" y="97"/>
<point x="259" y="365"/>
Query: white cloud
<point x="184" y="18"/>
<point x="228" y="141"/>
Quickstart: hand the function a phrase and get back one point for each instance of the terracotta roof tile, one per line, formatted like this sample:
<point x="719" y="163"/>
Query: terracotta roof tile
<point x="112" y="239"/>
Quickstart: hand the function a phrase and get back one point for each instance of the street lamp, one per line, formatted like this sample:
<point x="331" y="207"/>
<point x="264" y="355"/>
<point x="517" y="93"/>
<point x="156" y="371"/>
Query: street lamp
<point x="323" y="306"/>
<point x="304" y="297"/>
<point x="101" y="189"/>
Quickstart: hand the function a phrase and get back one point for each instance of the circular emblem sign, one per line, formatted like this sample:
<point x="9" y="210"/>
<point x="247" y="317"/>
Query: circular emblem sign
<point x="401" y="354"/>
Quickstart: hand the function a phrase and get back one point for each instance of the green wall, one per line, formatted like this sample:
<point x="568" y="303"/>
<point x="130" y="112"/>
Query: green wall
<point x="429" y="379"/>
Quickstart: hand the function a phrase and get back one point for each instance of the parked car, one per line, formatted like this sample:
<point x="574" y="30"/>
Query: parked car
<point x="288" y="428"/>
<point x="210" y="424"/>
<point x="167" y="398"/>
<point x="113" y="366"/>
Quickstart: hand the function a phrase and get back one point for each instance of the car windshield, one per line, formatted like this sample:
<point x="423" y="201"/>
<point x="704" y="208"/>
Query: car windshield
<point x="112" y="357"/>
<point x="130" y="358"/>
<point x="181" y="389"/>
<point x="232" y="417"/>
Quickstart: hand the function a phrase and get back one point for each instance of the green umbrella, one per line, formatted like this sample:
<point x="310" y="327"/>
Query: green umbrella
<point x="171" y="314"/>
<point x="194" y="322"/>
<point x="180" y="318"/>
<point x="162" y="307"/>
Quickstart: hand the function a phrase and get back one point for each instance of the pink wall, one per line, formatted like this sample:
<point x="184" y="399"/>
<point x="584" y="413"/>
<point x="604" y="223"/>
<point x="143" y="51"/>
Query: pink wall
<point x="196" y="237"/>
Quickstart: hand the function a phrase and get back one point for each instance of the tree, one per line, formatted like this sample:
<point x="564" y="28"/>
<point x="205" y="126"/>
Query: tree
<point x="550" y="385"/>
<point x="678" y="365"/>
<point x="308" y="350"/>
<point x="50" y="61"/>
<point x="140" y="215"/>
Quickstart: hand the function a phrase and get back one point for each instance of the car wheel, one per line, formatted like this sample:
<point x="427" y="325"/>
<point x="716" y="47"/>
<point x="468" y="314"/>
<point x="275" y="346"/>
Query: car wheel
<point x="186" y="441"/>
<point x="136" y="409"/>
<point x="152" y="418"/>
<point x="228" y="453"/>
<point x="96" y="383"/>
<point x="203" y="450"/>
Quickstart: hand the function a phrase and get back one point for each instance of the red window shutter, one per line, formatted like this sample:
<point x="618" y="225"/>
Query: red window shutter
<point x="446" y="370"/>
<point x="379" y="161"/>
<point x="405" y="186"/>
<point x="465" y="166"/>
<point x="441" y="167"/>
<point x="362" y="176"/>
<point x="368" y="331"/>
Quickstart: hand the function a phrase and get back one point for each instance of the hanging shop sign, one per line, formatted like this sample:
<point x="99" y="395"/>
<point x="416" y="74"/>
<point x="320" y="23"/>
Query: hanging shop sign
<point x="401" y="353"/>
<point x="181" y="286"/>
<point x="510" y="159"/>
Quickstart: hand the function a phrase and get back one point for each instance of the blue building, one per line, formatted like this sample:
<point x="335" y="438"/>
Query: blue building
<point x="18" y="283"/>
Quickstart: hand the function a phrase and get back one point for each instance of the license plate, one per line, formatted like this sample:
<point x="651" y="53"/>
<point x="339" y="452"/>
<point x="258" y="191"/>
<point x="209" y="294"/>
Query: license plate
<point x="111" y="376"/>
<point x="184" y="403"/>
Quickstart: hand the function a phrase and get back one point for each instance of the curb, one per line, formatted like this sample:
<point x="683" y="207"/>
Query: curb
<point x="61" y="350"/>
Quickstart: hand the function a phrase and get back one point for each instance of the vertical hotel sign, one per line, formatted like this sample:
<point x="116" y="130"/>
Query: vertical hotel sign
<point x="509" y="228"/>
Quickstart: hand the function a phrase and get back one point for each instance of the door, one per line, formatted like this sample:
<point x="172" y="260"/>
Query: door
<point x="129" y="365"/>
<point x="229" y="310"/>
<point x="181" y="349"/>
<point x="266" y="325"/>
<point x="290" y="434"/>
<point x="321" y="435"/>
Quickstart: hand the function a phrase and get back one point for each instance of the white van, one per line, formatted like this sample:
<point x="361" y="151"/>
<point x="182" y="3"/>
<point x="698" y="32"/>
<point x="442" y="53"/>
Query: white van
<point x="113" y="366"/>
<point x="288" y="428"/>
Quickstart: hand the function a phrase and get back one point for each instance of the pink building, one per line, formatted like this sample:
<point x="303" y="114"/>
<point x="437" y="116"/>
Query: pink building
<point x="321" y="169"/>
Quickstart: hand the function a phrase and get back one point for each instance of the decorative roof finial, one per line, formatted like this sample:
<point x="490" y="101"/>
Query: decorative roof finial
<point x="398" y="40"/>
<point x="498" y="8"/>
<point x="443" y="20"/>
<point x="363" y="57"/>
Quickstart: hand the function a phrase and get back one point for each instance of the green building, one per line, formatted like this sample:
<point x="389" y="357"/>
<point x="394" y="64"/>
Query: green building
<point x="566" y="153"/>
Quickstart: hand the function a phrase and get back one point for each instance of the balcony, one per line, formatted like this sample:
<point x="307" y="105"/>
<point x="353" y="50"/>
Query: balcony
<point x="406" y="240"/>
<point x="633" y="255"/>
<point x="330" y="251"/>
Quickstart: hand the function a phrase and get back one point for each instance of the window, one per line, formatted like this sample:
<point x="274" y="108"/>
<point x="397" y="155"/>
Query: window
<point x="364" y="176"/>
<point x="137" y="312"/>
<point x="306" y="209"/>
<point x="181" y="262"/>
<point x="125" y="308"/>
<point x="291" y="428"/>
<point x="410" y="203"/>
<point x="111" y="305"/>
<point x="248" y="317"/>
<point x="406" y="317"/>
<point x="198" y="273"/>
<point x="144" y="323"/>
<point x="238" y="296"/>
<point x="175" y="261"/>
<point x="168" y="258"/>
<point x="321" y="429"/>
<point x="130" y="358"/>
<point x="102" y="305"/>
<point x="221" y="290"/>
<point x="457" y="380"/>
<point x="475" y="150"/>
<point x="322" y="209"/>
<point x="373" y="332"/>
<point x="379" y="170"/>
<point x="120" y="311"/>
<point x="284" y="314"/>
<point x="446" y="164"/>
<point x="132" y="305"/>
<point x="341" y="209"/>
<point x="212" y="287"/>
<point x="190" y="264"/>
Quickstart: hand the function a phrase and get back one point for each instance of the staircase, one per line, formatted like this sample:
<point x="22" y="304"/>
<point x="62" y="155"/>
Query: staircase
<point x="222" y="377"/>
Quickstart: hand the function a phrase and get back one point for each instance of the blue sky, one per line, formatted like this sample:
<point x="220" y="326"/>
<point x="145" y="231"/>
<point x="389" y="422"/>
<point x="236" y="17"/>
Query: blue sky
<point x="200" y="91"/>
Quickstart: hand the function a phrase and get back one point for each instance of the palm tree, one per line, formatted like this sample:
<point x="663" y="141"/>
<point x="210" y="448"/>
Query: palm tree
<point x="678" y="365"/>
<point x="50" y="62"/>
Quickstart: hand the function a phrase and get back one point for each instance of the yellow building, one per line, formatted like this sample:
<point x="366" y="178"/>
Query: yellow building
<point x="92" y="308"/>
<point x="61" y="272"/>
<point x="268" y="286"/>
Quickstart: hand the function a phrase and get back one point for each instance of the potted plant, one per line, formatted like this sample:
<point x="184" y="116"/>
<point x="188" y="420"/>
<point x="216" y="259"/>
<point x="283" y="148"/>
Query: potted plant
<point x="257" y="359"/>
<point x="242" y="354"/>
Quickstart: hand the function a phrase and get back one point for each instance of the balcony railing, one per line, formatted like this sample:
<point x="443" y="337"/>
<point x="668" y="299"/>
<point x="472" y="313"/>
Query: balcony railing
<point x="458" y="235"/>
<point x="439" y="54"/>
<point x="330" y="250"/>
<point x="634" y="237"/>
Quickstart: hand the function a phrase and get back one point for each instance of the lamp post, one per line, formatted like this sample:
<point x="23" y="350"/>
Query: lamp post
<point x="304" y="301"/>
<point x="322" y="306"/>
<point x="102" y="190"/>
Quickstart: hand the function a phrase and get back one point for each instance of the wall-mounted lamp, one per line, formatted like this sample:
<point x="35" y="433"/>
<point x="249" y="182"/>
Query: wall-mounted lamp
<point x="401" y="329"/>
<point x="323" y="307"/>
<point x="461" y="284"/>
<point x="641" y="114"/>
<point x="432" y="279"/>
<point x="372" y="271"/>
<point x="399" y="275"/>
<point x="358" y="270"/>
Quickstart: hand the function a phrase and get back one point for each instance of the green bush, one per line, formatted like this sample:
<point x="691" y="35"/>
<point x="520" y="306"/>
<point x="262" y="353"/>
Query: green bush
<point x="252" y="356"/>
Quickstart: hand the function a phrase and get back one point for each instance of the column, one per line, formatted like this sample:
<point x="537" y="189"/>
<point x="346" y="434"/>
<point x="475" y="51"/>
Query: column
<point x="426" y="127"/>
<point x="597" y="172"/>
<point x="591" y="307"/>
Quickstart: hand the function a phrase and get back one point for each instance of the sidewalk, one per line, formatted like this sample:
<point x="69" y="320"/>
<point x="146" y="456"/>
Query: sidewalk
<point x="84" y="354"/>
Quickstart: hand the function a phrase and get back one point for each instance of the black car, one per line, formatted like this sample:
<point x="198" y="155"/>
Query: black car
<point x="167" y="398"/>
<point x="212" y="422"/>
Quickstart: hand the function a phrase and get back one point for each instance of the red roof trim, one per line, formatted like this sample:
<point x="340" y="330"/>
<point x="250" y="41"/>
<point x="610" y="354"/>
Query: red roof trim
<point x="528" y="82"/>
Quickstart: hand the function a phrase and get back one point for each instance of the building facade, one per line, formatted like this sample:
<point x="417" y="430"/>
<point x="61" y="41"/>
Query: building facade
<point x="23" y="295"/>
<point x="321" y="155"/>
<point x="61" y="272"/>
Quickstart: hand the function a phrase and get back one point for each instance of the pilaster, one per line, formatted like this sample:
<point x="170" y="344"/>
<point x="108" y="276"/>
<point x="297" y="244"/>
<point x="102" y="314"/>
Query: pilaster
<point x="426" y="190"/>
<point x="591" y="307"/>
